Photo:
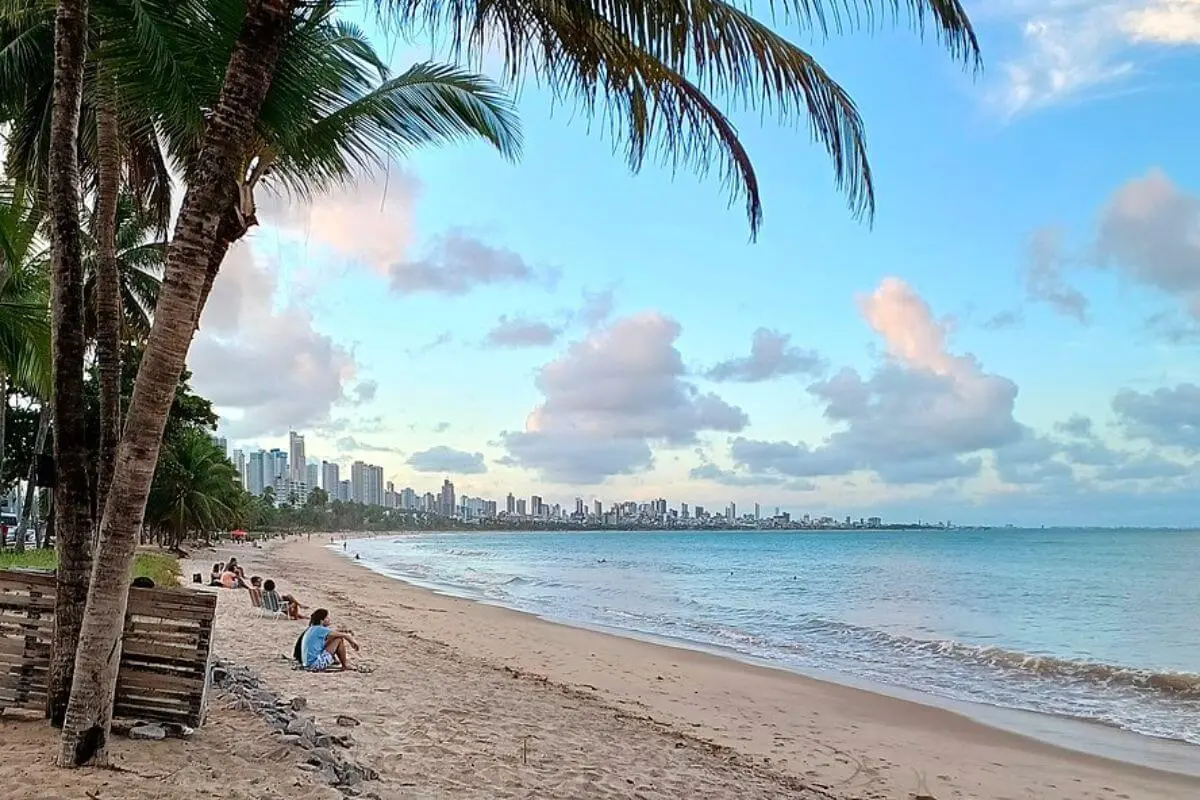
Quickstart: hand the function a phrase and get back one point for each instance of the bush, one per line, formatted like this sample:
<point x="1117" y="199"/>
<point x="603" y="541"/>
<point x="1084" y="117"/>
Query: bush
<point x="162" y="568"/>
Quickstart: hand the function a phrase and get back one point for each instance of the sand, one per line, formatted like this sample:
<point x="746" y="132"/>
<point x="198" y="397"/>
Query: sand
<point x="465" y="700"/>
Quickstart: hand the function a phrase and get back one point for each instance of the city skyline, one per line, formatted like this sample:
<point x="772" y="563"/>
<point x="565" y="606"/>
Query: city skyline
<point x="1012" y="340"/>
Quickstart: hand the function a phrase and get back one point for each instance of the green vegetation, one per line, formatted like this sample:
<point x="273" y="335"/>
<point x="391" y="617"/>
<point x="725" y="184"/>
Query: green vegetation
<point x="162" y="568"/>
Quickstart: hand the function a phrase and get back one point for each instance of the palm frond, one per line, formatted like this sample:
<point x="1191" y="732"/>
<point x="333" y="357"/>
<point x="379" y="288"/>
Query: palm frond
<point x="429" y="104"/>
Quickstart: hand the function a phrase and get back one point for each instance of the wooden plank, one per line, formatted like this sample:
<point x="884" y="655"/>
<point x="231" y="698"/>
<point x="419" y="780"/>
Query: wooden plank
<point x="26" y="581"/>
<point x="150" y="649"/>
<point x="23" y="603"/>
<point x="137" y="679"/>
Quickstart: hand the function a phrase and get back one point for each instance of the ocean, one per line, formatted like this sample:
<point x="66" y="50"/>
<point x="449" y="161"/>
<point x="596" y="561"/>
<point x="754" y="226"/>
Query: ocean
<point x="1097" y="625"/>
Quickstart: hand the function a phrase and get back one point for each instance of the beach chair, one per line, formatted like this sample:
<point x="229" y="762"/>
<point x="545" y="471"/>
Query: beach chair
<point x="255" y="597"/>
<point x="271" y="606"/>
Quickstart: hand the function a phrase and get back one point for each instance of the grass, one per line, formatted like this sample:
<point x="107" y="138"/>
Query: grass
<point x="161" y="568"/>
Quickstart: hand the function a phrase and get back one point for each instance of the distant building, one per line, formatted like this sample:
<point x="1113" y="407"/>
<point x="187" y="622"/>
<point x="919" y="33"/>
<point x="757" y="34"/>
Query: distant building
<point x="521" y="507"/>
<point x="535" y="506"/>
<point x="757" y="512"/>
<point x="447" y="505"/>
<point x="374" y="485"/>
<point x="330" y="479"/>
<point x="239" y="464"/>
<point x="683" y="511"/>
<point x="510" y="504"/>
<point x="312" y="475"/>
<point x="598" y="510"/>
<point x="221" y="443"/>
<point x="343" y="491"/>
<point x="296" y="456"/>
<point x="255" y="471"/>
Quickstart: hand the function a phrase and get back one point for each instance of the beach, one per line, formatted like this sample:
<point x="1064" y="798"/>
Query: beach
<point x="467" y="700"/>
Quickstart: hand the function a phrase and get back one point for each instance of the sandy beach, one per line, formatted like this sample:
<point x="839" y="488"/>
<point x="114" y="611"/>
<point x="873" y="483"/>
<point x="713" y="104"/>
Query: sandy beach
<point x="464" y="700"/>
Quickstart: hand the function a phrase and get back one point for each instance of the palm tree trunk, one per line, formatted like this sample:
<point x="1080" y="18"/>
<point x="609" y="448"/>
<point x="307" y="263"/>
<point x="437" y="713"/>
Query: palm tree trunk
<point x="73" y="514"/>
<point x="108" y="285"/>
<point x="39" y="442"/>
<point x="226" y="136"/>
<point x="3" y="423"/>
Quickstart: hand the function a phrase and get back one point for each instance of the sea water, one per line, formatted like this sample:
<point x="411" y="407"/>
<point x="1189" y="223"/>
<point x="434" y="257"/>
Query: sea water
<point x="1100" y="625"/>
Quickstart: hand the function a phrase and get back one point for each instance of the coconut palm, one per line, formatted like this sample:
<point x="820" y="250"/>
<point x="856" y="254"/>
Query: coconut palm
<point x="648" y="68"/>
<point x="195" y="489"/>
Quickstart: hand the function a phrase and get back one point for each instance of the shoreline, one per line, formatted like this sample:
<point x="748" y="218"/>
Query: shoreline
<point x="1073" y="734"/>
<point x="439" y="657"/>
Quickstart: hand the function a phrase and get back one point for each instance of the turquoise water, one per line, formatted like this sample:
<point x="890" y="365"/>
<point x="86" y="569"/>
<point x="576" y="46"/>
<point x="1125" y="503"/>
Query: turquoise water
<point x="1097" y="625"/>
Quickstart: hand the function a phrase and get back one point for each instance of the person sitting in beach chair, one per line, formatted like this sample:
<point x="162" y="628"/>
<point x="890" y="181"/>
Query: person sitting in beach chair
<point x="277" y="603"/>
<point x="320" y="646"/>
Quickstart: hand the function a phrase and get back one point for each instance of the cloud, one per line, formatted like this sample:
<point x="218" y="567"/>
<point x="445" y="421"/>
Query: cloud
<point x="349" y="444"/>
<point x="920" y="417"/>
<point x="725" y="477"/>
<point x="369" y="222"/>
<point x="1043" y="275"/>
<point x="447" y="460"/>
<point x="441" y="340"/>
<point x="518" y="332"/>
<point x="1002" y="320"/>
<point x="270" y="364"/>
<point x="441" y="427"/>
<point x="609" y="397"/>
<point x="1076" y="49"/>
<point x="1150" y="233"/>
<point x="365" y="392"/>
<point x="457" y="263"/>
<point x="1168" y="416"/>
<point x="597" y="307"/>
<point x="771" y="356"/>
<point x="1076" y="425"/>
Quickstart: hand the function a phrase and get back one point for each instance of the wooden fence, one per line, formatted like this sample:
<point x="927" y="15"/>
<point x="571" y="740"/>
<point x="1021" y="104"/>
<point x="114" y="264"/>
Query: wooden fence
<point x="165" y="650"/>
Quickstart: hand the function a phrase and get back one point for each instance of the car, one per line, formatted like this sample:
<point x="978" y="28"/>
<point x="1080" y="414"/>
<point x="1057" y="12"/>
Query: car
<point x="8" y="525"/>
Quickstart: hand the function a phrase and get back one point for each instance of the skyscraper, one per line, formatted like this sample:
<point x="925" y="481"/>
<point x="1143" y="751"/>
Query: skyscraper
<point x="239" y="464"/>
<point x="757" y="512"/>
<point x="510" y="504"/>
<point x="521" y="507"/>
<point x="312" y="476"/>
<point x="330" y="479"/>
<point x="446" y="501"/>
<point x="358" y="482"/>
<point x="374" y="485"/>
<point x="598" y="510"/>
<point x="579" y="507"/>
<point x="535" y="506"/>
<point x="296" y="453"/>
<point x="221" y="443"/>
<point x="255" y="473"/>
<point x="277" y="468"/>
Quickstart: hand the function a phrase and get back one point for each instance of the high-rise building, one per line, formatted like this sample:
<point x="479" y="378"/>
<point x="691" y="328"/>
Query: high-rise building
<point x="343" y="491"/>
<point x="312" y="475"/>
<point x="408" y="499"/>
<point x="597" y="510"/>
<point x="254" y="473"/>
<point x="579" y="508"/>
<point x="521" y="507"/>
<point x="330" y="479"/>
<point x="733" y="511"/>
<point x="683" y="510"/>
<point x="239" y="465"/>
<point x="358" y="482"/>
<point x="221" y="443"/>
<point x="535" y="506"/>
<point x="757" y="512"/>
<point x="374" y="485"/>
<point x="447" y="505"/>
<point x="510" y="503"/>
<point x="277" y="468"/>
<point x="296" y="454"/>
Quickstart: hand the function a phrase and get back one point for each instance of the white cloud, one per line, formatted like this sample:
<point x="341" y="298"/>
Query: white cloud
<point x="1075" y="48"/>
<point x="269" y="364"/>
<point x="609" y="398"/>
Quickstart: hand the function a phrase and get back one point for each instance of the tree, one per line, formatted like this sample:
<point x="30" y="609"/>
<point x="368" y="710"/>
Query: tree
<point x="195" y="489"/>
<point x="649" y="66"/>
<point x="73" y="530"/>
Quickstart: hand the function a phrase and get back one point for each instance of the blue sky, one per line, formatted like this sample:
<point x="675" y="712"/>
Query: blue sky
<point x="1014" y="339"/>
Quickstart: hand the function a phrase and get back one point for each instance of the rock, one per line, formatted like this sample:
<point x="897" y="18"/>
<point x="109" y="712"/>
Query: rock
<point x="220" y="675"/>
<point x="310" y="730"/>
<point x="329" y="775"/>
<point x="344" y="740"/>
<point x="306" y="767"/>
<point x="298" y="703"/>
<point x="152" y="733"/>
<point x="347" y="721"/>
<point x="290" y="738"/>
<point x="349" y="791"/>
<point x="321" y="740"/>
<point x="324" y="755"/>
<point x="296" y="726"/>
<point x="177" y="731"/>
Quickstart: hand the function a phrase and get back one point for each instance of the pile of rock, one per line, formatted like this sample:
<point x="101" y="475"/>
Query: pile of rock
<point x="323" y="751"/>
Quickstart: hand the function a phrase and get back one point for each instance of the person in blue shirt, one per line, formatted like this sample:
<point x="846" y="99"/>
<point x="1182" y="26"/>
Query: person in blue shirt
<point x="321" y="646"/>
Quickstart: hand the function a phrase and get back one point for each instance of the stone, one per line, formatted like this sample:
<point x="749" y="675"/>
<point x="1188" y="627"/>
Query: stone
<point x="347" y="721"/>
<point x="298" y="703"/>
<point x="324" y="755"/>
<point x="154" y="733"/>
<point x="290" y="738"/>
<point x="310" y="730"/>
<point x="176" y="730"/>
<point x="321" y="740"/>
<point x="220" y="675"/>
<point x="306" y="767"/>
<point x="344" y="740"/>
<point x="296" y="726"/>
<point x="329" y="775"/>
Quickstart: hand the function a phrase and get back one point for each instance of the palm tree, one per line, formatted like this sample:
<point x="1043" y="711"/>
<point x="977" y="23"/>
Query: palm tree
<point x="648" y="67"/>
<point x="139" y="254"/>
<point x="24" y="308"/>
<point x="195" y="489"/>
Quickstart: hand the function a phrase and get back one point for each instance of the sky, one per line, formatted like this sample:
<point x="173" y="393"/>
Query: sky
<point x="1012" y="340"/>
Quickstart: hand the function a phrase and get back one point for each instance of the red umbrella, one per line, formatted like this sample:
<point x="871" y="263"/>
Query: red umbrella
<point x="238" y="534"/>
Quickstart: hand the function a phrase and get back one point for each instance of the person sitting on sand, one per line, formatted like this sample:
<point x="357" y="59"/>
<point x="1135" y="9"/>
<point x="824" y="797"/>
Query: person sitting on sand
<point x="321" y="646"/>
<point x="286" y="601"/>
<point x="233" y="567"/>
<point x="217" y="570"/>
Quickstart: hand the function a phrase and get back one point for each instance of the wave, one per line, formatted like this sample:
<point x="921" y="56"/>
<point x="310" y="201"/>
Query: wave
<point x="1018" y="663"/>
